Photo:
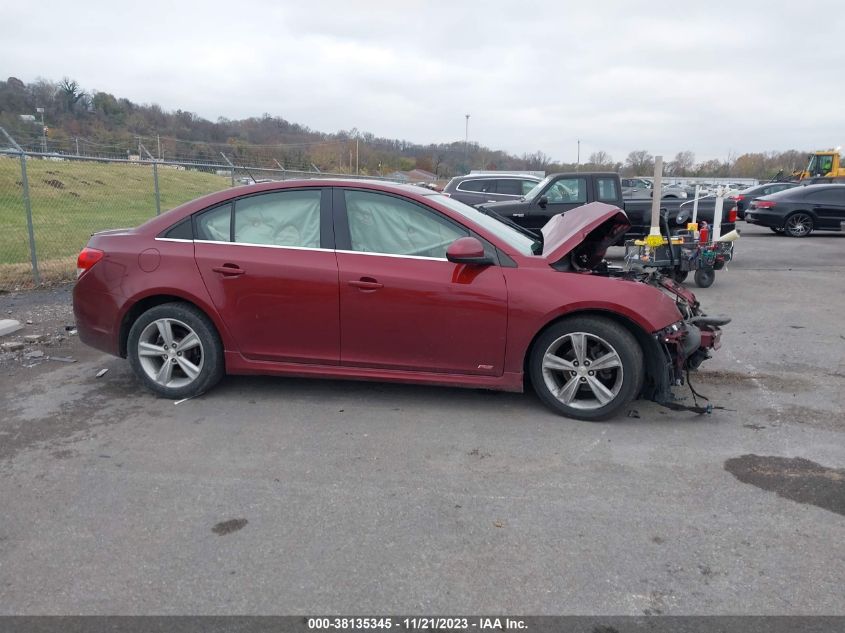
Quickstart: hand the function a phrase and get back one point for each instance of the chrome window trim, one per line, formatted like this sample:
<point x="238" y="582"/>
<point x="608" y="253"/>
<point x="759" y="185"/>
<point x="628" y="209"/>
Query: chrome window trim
<point x="292" y="248"/>
<point x="432" y="259"/>
<point x="172" y="239"/>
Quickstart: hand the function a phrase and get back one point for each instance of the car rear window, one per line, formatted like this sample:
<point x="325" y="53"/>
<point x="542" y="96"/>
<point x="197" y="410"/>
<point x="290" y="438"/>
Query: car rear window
<point x="607" y="190"/>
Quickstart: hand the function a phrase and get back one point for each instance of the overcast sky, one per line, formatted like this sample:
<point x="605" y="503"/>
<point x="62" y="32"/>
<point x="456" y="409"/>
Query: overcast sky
<point x="713" y="78"/>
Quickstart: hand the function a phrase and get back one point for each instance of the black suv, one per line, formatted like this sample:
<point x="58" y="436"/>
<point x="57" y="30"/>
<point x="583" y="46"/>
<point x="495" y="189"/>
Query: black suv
<point x="474" y="189"/>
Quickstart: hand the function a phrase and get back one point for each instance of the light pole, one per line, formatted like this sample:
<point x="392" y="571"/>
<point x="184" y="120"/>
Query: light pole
<point x="578" y="158"/>
<point x="466" y="142"/>
<point x="43" y="131"/>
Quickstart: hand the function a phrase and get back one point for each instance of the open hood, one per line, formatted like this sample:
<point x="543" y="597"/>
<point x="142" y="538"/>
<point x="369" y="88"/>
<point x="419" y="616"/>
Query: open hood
<point x="586" y="232"/>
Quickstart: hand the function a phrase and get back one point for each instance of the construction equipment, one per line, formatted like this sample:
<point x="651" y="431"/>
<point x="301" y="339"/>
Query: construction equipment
<point x="824" y="166"/>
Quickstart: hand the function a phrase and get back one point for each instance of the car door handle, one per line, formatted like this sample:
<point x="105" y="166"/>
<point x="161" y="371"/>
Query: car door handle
<point x="365" y="284"/>
<point x="518" y="215"/>
<point x="229" y="270"/>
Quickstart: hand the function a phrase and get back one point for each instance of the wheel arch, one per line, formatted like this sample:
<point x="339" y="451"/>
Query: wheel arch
<point x="144" y="303"/>
<point x="656" y="377"/>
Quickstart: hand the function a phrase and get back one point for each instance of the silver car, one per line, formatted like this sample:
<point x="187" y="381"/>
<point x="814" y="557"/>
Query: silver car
<point x="474" y="189"/>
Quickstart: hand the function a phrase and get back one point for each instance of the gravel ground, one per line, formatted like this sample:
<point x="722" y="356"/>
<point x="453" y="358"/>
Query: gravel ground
<point x="290" y="496"/>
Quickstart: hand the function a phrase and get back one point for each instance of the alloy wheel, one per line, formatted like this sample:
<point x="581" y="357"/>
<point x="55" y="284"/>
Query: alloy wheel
<point x="799" y="224"/>
<point x="170" y="353"/>
<point x="582" y="371"/>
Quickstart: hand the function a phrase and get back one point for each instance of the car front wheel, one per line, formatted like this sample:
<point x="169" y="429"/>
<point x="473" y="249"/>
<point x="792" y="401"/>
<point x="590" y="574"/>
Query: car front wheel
<point x="586" y="368"/>
<point x="175" y="351"/>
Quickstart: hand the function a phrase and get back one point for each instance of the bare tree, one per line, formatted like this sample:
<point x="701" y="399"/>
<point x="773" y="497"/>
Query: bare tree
<point x="601" y="159"/>
<point x="682" y="164"/>
<point x="640" y="162"/>
<point x="538" y="161"/>
<point x="71" y="94"/>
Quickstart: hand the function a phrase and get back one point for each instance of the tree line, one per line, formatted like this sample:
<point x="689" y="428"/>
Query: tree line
<point x="110" y="125"/>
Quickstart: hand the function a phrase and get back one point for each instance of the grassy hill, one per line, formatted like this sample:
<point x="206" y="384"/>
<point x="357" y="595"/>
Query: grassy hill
<point x="70" y="200"/>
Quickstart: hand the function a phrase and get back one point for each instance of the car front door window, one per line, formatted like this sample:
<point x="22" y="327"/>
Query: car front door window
<point x="385" y="224"/>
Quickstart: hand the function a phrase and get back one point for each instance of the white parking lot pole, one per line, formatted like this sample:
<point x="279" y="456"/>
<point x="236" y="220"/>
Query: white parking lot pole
<point x="716" y="231"/>
<point x="655" y="238"/>
<point x="695" y="204"/>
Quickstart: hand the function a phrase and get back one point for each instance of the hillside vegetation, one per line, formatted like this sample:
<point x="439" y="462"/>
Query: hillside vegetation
<point x="99" y="123"/>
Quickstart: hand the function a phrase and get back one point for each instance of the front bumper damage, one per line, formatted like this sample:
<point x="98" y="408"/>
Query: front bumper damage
<point x="685" y="345"/>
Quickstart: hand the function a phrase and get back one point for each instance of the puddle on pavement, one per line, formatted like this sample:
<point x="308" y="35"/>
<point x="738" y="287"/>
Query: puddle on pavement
<point x="793" y="478"/>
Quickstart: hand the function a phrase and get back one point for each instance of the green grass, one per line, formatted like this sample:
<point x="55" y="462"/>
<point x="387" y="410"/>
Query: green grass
<point x="72" y="199"/>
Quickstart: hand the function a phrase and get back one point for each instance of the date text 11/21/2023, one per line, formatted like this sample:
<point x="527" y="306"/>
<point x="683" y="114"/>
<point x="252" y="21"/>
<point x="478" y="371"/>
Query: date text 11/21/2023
<point x="415" y="623"/>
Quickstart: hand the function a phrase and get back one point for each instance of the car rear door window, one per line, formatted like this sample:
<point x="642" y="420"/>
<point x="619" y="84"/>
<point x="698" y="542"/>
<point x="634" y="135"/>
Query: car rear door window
<point x="283" y="218"/>
<point x="607" y="191"/>
<point x="827" y="196"/>
<point x="385" y="224"/>
<point x="509" y="186"/>
<point x="479" y="185"/>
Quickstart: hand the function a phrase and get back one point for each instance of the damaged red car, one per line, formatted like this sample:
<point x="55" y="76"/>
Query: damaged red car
<point x="375" y="281"/>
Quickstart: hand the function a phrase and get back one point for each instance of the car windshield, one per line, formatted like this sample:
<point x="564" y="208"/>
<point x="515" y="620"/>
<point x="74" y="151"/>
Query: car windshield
<point x="524" y="244"/>
<point x="537" y="188"/>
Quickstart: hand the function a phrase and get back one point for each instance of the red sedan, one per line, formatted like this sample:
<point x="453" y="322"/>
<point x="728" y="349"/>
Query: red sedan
<point x="368" y="280"/>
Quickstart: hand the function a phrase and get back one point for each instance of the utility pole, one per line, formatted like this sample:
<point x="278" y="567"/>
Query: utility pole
<point x="43" y="131"/>
<point x="356" y="156"/>
<point x="578" y="158"/>
<point x="158" y="140"/>
<point x="466" y="142"/>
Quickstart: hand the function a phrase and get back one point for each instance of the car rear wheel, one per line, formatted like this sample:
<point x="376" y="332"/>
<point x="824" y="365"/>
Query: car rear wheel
<point x="586" y="368"/>
<point x="798" y="224"/>
<point x="175" y="351"/>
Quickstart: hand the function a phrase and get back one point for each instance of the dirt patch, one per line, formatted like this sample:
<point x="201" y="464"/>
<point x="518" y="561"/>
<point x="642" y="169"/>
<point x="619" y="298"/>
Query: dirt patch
<point x="227" y="527"/>
<point x="796" y="479"/>
<point x="99" y="182"/>
<point x="773" y="382"/>
<point x="56" y="184"/>
<point x="817" y="418"/>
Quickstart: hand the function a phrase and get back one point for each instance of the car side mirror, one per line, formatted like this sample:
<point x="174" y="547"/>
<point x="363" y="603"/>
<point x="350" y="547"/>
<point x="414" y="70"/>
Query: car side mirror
<point x="468" y="250"/>
<point x="543" y="201"/>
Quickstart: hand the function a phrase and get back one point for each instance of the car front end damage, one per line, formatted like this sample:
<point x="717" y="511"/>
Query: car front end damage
<point x="683" y="345"/>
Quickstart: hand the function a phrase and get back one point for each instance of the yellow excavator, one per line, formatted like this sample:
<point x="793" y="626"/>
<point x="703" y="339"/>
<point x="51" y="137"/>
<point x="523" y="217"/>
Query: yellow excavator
<point x="824" y="166"/>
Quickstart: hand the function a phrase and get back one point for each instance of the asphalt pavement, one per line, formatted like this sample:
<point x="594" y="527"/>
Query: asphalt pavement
<point x="290" y="496"/>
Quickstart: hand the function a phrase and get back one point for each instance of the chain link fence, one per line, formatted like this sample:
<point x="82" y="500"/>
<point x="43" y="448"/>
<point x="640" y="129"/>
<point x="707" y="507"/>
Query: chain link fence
<point x="51" y="203"/>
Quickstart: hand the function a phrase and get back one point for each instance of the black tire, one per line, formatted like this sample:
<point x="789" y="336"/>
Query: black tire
<point x="205" y="356"/>
<point x="680" y="276"/>
<point x="704" y="277"/>
<point x="798" y="224"/>
<point x="776" y="229"/>
<point x="603" y="337"/>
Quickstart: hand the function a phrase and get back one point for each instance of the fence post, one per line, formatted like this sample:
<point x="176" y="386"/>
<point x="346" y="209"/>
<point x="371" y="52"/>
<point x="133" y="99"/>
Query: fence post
<point x="155" y="178"/>
<point x="155" y="183"/>
<point x="36" y="277"/>
<point x="27" y="204"/>
<point x="226" y="158"/>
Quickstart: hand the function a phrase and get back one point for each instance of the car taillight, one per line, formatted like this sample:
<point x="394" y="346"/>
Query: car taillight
<point x="738" y="197"/>
<point x="86" y="260"/>
<point x="732" y="215"/>
<point x="764" y="204"/>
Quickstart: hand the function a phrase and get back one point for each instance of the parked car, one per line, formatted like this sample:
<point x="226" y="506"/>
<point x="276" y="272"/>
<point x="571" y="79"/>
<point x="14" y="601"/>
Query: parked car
<point x="639" y="188"/>
<point x="474" y="189"/>
<point x="560" y="193"/>
<point x="799" y="211"/>
<point x="378" y="281"/>
<point x="742" y="199"/>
